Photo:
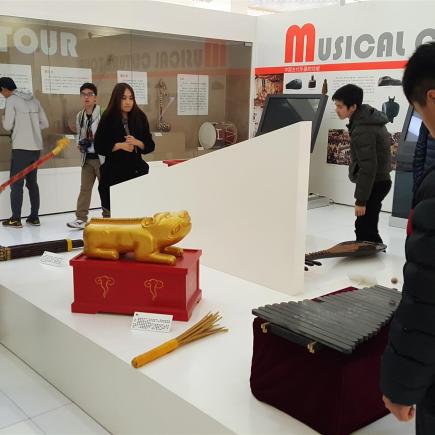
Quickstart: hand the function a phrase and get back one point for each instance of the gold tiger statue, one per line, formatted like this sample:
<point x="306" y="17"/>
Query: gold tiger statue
<point x="149" y="238"/>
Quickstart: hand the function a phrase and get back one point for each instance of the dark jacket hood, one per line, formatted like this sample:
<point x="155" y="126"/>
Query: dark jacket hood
<point x="367" y="115"/>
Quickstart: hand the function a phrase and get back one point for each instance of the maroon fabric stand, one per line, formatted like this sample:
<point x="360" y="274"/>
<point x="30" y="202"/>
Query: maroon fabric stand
<point x="331" y="392"/>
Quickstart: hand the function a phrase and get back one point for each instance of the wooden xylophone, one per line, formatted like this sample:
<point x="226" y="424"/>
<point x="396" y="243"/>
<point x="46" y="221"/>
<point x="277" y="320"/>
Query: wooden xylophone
<point x="340" y="321"/>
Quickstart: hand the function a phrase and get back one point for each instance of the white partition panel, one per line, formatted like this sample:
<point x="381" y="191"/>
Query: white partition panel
<point x="248" y="205"/>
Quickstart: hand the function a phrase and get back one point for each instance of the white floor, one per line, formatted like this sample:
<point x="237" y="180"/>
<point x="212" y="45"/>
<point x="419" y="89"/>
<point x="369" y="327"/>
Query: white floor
<point x="30" y="405"/>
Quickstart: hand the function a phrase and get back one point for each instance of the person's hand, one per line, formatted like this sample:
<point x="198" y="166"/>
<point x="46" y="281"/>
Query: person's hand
<point x="123" y="146"/>
<point x="360" y="210"/>
<point x="128" y="147"/>
<point x="132" y="140"/>
<point x="401" y="412"/>
<point x="136" y="142"/>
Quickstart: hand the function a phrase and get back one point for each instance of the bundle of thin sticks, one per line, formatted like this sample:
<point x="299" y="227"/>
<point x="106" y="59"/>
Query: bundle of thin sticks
<point x="205" y="327"/>
<point x="60" y="145"/>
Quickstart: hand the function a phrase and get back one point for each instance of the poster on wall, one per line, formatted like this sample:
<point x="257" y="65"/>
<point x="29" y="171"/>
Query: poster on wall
<point x="265" y="84"/>
<point x="338" y="151"/>
<point x="138" y="80"/>
<point x="317" y="56"/>
<point x="382" y="92"/>
<point x="192" y="94"/>
<point x="63" y="80"/>
<point x="20" y="74"/>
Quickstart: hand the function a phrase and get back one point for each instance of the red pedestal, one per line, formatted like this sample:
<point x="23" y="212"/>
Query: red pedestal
<point x="173" y="162"/>
<point x="331" y="392"/>
<point x="126" y="286"/>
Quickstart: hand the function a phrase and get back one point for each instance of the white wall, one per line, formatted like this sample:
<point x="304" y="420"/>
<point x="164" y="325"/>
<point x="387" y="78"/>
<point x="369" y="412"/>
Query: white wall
<point x="248" y="205"/>
<point x="151" y="16"/>
<point x="269" y="33"/>
<point x="60" y="187"/>
<point x="371" y="18"/>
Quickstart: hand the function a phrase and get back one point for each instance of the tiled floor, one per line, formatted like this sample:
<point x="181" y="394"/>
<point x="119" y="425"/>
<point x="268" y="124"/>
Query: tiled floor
<point x="30" y="405"/>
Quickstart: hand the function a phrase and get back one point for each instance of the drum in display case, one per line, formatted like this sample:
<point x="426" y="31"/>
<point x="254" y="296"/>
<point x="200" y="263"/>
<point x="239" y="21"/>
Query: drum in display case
<point x="217" y="134"/>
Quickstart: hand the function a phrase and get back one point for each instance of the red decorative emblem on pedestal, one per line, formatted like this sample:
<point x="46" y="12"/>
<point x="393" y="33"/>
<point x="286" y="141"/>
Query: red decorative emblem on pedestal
<point x="104" y="282"/>
<point x="153" y="285"/>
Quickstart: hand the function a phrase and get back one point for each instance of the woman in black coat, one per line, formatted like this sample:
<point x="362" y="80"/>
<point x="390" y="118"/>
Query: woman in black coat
<point x="123" y="135"/>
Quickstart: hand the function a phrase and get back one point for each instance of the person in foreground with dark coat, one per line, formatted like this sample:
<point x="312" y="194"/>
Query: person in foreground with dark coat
<point x="123" y="135"/>
<point x="424" y="155"/>
<point x="408" y="364"/>
<point x="370" y="158"/>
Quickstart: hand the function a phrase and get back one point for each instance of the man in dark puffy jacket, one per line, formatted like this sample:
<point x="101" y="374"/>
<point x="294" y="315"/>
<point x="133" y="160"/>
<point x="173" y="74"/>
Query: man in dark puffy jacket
<point x="370" y="158"/>
<point x="408" y="363"/>
<point x="424" y="155"/>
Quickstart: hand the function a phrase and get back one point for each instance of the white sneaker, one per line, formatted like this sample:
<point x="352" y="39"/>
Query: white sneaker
<point x="78" y="224"/>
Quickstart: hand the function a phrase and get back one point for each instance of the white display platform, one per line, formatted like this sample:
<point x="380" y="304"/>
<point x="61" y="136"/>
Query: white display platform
<point x="248" y="204"/>
<point x="201" y="388"/>
<point x="58" y="188"/>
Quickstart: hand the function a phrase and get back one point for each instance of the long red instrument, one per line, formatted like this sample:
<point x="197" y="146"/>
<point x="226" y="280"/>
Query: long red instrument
<point x="60" y="145"/>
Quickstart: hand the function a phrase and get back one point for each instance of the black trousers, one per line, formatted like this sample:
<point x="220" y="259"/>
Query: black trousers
<point x="20" y="160"/>
<point x="366" y="227"/>
<point x="424" y="422"/>
<point x="104" y="191"/>
<point x="109" y="177"/>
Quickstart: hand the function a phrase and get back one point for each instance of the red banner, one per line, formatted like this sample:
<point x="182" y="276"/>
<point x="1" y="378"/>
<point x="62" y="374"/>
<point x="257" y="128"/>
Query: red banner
<point x="355" y="66"/>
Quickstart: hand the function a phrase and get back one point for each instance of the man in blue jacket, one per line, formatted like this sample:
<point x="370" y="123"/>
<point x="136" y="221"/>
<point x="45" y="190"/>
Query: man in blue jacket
<point x="25" y="118"/>
<point x="408" y="363"/>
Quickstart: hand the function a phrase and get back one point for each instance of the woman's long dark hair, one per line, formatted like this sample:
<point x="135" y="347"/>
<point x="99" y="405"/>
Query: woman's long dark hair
<point x="113" y="110"/>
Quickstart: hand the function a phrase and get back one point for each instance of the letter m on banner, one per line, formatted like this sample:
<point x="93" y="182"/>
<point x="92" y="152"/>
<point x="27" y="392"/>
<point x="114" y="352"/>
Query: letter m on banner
<point x="300" y="41"/>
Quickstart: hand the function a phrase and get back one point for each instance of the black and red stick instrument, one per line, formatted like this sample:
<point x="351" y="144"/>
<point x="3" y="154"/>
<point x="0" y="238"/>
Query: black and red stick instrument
<point x="60" y="145"/>
<point x="33" y="249"/>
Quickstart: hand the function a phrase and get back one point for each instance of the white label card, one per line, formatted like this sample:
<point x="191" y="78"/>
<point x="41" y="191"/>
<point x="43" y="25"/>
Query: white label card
<point x="152" y="322"/>
<point x="138" y="80"/>
<point x="52" y="259"/>
<point x="192" y="94"/>
<point x="64" y="80"/>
